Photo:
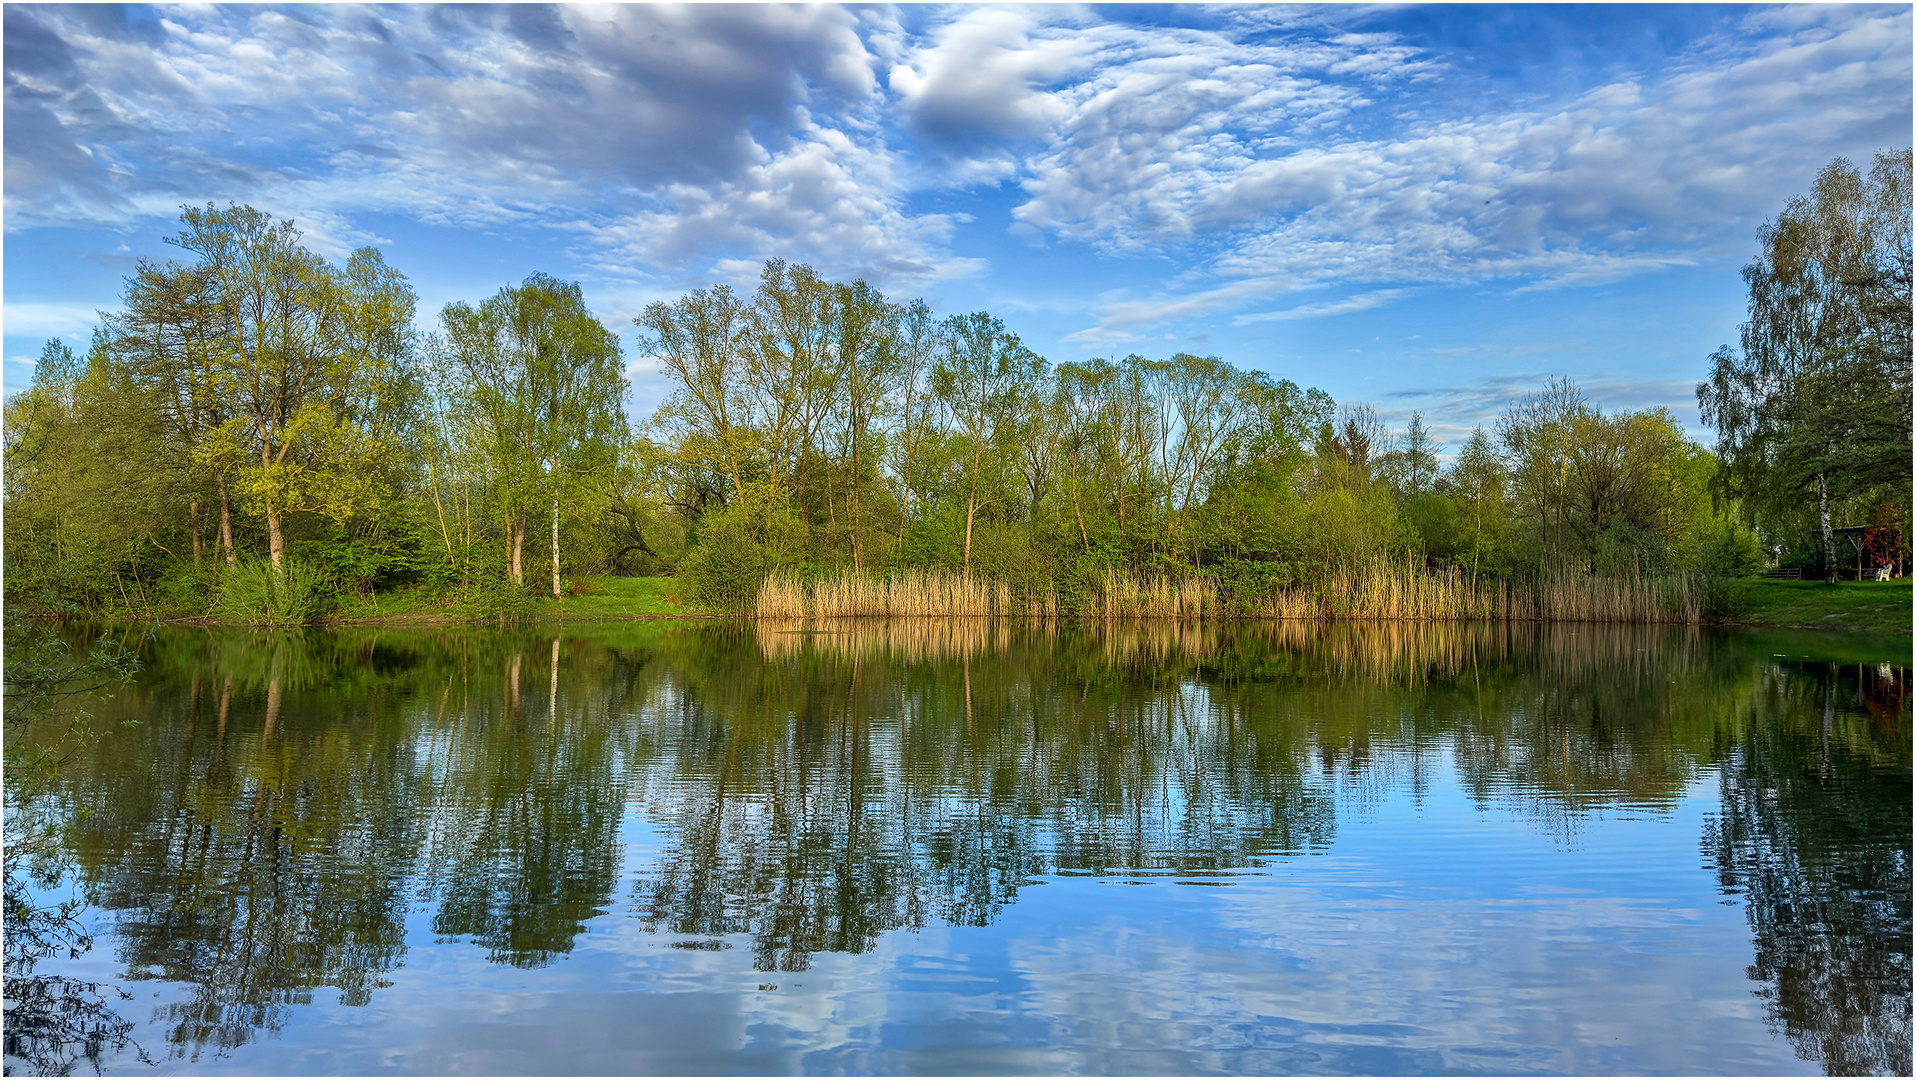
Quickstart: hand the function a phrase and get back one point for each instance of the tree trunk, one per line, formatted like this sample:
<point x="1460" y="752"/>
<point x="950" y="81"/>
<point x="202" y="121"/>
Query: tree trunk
<point x="275" y="536"/>
<point x="1829" y="538"/>
<point x="555" y="549"/>
<point x="199" y="541"/>
<point x="904" y="516"/>
<point x="226" y="522"/>
<point x="858" y="497"/>
<point x="433" y="475"/>
<point x="971" y="508"/>
<point x="517" y="569"/>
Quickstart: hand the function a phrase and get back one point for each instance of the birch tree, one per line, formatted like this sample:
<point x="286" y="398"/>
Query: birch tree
<point x="1818" y="400"/>
<point x="543" y="381"/>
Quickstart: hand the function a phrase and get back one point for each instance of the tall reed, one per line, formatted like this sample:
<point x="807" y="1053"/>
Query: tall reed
<point x="1407" y="591"/>
<point x="1565" y="597"/>
<point x="909" y="593"/>
<point x="1122" y="596"/>
<point x="1410" y="591"/>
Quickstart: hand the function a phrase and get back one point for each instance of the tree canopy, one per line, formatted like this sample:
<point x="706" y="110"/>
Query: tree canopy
<point x="1816" y="405"/>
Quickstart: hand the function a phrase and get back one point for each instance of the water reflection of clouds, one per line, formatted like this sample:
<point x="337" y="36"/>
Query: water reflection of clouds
<point x="1443" y="848"/>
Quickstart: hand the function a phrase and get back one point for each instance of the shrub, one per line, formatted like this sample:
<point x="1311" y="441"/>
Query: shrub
<point x="729" y="564"/>
<point x="253" y="593"/>
<point x="186" y="589"/>
<point x="501" y="600"/>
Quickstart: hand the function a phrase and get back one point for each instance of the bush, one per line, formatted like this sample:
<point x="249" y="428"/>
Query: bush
<point x="729" y="563"/>
<point x="186" y="589"/>
<point x="500" y="600"/>
<point x="252" y="593"/>
<point x="1733" y="551"/>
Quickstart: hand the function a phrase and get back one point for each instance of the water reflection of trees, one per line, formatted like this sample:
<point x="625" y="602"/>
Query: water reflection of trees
<point x="1814" y="831"/>
<point x="255" y="865"/>
<point x="313" y="785"/>
<point x="839" y="780"/>
<point x="524" y="835"/>
<point x="819" y="786"/>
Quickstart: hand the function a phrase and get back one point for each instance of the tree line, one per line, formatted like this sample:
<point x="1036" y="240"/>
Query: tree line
<point x="257" y="409"/>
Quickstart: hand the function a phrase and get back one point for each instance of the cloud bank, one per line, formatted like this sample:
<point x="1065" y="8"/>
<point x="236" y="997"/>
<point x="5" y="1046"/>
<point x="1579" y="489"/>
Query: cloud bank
<point x="1251" y="154"/>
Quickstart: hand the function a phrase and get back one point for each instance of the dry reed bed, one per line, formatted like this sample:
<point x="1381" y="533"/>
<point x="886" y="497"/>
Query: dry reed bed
<point x="1404" y="652"/>
<point x="910" y="594"/>
<point x="1391" y="592"/>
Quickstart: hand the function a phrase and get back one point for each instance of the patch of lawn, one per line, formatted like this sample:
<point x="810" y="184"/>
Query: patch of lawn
<point x="1842" y="605"/>
<point x="622" y="598"/>
<point x="603" y="598"/>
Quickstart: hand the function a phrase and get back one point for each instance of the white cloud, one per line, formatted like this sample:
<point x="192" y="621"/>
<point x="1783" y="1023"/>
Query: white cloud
<point x="827" y="199"/>
<point x="720" y="131"/>
<point x="1346" y="306"/>
<point x="43" y="320"/>
<point x="1247" y="160"/>
<point x="1255" y="154"/>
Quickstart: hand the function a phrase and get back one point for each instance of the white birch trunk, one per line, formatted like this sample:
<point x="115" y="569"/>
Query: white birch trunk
<point x="1829" y="537"/>
<point x="555" y="548"/>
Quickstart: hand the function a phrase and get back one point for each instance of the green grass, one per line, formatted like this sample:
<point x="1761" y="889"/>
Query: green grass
<point x="621" y="598"/>
<point x="1844" y="605"/>
<point x="603" y="598"/>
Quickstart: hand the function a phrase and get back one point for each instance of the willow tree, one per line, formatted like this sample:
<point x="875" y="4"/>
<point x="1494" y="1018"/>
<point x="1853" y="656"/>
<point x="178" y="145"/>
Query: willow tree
<point x="543" y="380"/>
<point x="313" y="364"/>
<point x="1819" y="398"/>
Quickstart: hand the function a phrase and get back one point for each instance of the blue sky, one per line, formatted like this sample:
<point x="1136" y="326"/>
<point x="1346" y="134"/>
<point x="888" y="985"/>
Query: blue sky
<point x="1431" y="208"/>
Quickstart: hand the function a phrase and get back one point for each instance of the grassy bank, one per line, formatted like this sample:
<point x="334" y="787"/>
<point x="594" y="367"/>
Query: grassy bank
<point x="1383" y="593"/>
<point x="594" y="598"/>
<point x="1843" y="605"/>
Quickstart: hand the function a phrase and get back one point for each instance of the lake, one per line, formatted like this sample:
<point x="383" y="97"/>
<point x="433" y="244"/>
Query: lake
<point x="976" y="847"/>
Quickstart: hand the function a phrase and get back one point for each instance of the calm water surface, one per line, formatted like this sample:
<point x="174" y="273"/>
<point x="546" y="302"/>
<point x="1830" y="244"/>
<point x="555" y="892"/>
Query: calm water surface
<point x="981" y="848"/>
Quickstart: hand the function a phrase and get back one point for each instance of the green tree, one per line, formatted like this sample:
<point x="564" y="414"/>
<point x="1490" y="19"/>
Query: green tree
<point x="1819" y="398"/>
<point x="315" y="364"/>
<point x="699" y="341"/>
<point x="1477" y="484"/>
<point x="982" y="378"/>
<point x="171" y="336"/>
<point x="543" y="382"/>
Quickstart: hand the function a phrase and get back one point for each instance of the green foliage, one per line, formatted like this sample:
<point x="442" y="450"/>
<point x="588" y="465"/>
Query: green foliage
<point x="499" y="600"/>
<point x="534" y="386"/>
<point x="253" y="593"/>
<point x="1814" y="413"/>
<point x="728" y="561"/>
<point x="815" y="429"/>
<point x="1727" y="550"/>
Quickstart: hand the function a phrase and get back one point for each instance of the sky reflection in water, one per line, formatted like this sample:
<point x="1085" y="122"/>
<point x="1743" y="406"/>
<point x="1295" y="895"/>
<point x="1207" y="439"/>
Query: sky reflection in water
<point x="988" y="848"/>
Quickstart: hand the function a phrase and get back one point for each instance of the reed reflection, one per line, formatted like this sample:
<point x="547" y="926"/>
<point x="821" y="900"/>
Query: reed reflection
<point x="819" y="785"/>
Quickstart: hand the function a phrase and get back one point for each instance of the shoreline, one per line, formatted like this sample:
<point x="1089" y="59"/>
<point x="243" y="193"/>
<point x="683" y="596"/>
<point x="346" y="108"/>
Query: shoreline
<point x="432" y="620"/>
